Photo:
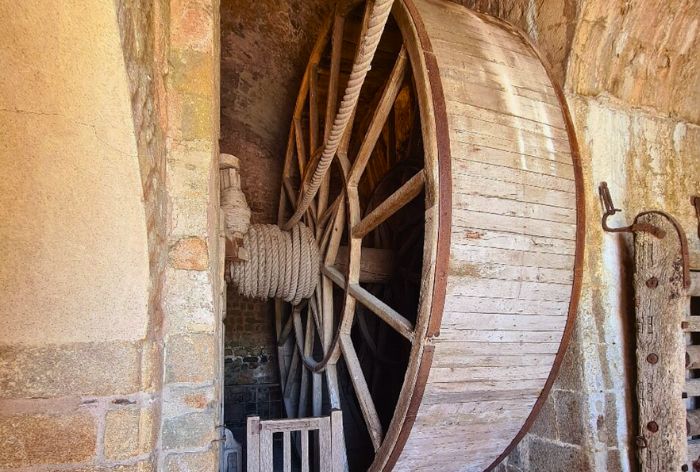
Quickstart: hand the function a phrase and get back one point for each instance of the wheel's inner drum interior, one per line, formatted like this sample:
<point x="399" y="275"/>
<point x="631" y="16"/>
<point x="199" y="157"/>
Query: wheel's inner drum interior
<point x="393" y="252"/>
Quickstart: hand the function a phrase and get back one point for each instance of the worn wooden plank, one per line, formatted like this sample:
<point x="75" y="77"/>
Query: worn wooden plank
<point x="338" y="457"/>
<point x="304" y="450"/>
<point x="287" y="451"/>
<point x="266" y="451"/>
<point x="253" y="443"/>
<point x="529" y="192"/>
<point x="661" y="307"/>
<point x="325" y="445"/>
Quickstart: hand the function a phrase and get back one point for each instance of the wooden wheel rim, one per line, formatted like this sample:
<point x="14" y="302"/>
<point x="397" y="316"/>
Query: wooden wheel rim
<point x="436" y="254"/>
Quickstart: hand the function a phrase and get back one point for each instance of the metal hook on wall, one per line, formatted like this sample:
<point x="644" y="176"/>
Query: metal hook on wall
<point x="610" y="210"/>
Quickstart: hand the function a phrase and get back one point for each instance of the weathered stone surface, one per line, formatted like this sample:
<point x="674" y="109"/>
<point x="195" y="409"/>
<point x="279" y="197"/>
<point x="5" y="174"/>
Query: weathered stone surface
<point x="546" y="423"/>
<point x="188" y="182"/>
<point x="188" y="302"/>
<point x="143" y="466"/>
<point x="641" y="52"/>
<point x="190" y="358"/>
<point x="191" y="462"/>
<point x="128" y="433"/>
<point x="556" y="457"/>
<point x="179" y="400"/>
<point x="47" y="439"/>
<point x="572" y="411"/>
<point x="69" y="369"/>
<point x="192" y="430"/>
<point x="189" y="254"/>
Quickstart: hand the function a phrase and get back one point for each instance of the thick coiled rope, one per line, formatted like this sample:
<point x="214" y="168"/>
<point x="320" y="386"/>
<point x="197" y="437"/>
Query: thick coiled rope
<point x="362" y="65"/>
<point x="280" y="264"/>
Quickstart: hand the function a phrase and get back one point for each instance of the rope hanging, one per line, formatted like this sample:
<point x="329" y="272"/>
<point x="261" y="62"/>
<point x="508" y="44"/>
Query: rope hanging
<point x="375" y="27"/>
<point x="280" y="264"/>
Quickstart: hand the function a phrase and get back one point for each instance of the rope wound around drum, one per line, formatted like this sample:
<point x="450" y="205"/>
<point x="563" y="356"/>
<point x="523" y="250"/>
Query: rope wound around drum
<point x="277" y="264"/>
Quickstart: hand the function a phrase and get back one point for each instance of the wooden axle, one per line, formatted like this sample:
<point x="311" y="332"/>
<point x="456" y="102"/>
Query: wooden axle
<point x="376" y="265"/>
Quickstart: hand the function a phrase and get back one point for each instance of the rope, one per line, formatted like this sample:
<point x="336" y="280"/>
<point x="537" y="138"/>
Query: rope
<point x="362" y="65"/>
<point x="281" y="264"/>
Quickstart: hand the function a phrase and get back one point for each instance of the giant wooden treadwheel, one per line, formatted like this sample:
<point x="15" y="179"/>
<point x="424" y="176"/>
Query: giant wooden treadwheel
<point x="449" y="229"/>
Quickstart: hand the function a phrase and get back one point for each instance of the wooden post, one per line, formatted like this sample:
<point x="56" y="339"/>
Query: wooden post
<point x="338" y="442"/>
<point x="324" y="439"/>
<point x="253" y="443"/>
<point x="660" y="303"/>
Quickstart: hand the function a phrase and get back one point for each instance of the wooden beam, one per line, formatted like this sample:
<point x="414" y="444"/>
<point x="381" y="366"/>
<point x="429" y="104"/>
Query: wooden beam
<point x="253" y="442"/>
<point x="369" y="411"/>
<point x="339" y="457"/>
<point x="391" y="205"/>
<point x="658" y="281"/>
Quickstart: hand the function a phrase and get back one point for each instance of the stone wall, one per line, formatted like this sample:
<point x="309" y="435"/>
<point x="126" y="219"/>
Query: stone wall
<point x="75" y="364"/>
<point x="110" y="330"/>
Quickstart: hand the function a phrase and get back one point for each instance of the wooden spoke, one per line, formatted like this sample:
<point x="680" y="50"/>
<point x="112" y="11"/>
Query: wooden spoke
<point x="364" y="398"/>
<point x="391" y="205"/>
<point x="336" y="55"/>
<point x="330" y="211"/>
<point x="378" y="307"/>
<point x="301" y="147"/>
<point x="383" y="311"/>
<point x="332" y="382"/>
<point x="336" y="235"/>
<point x="308" y="346"/>
<point x="291" y="375"/>
<point x="313" y="109"/>
<point x="289" y="190"/>
<point x="334" y="275"/>
<point x="386" y="102"/>
<point x="286" y="330"/>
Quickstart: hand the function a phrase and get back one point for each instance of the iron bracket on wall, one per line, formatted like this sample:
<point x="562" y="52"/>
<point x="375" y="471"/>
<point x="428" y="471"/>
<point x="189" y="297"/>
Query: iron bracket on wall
<point x="610" y="210"/>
